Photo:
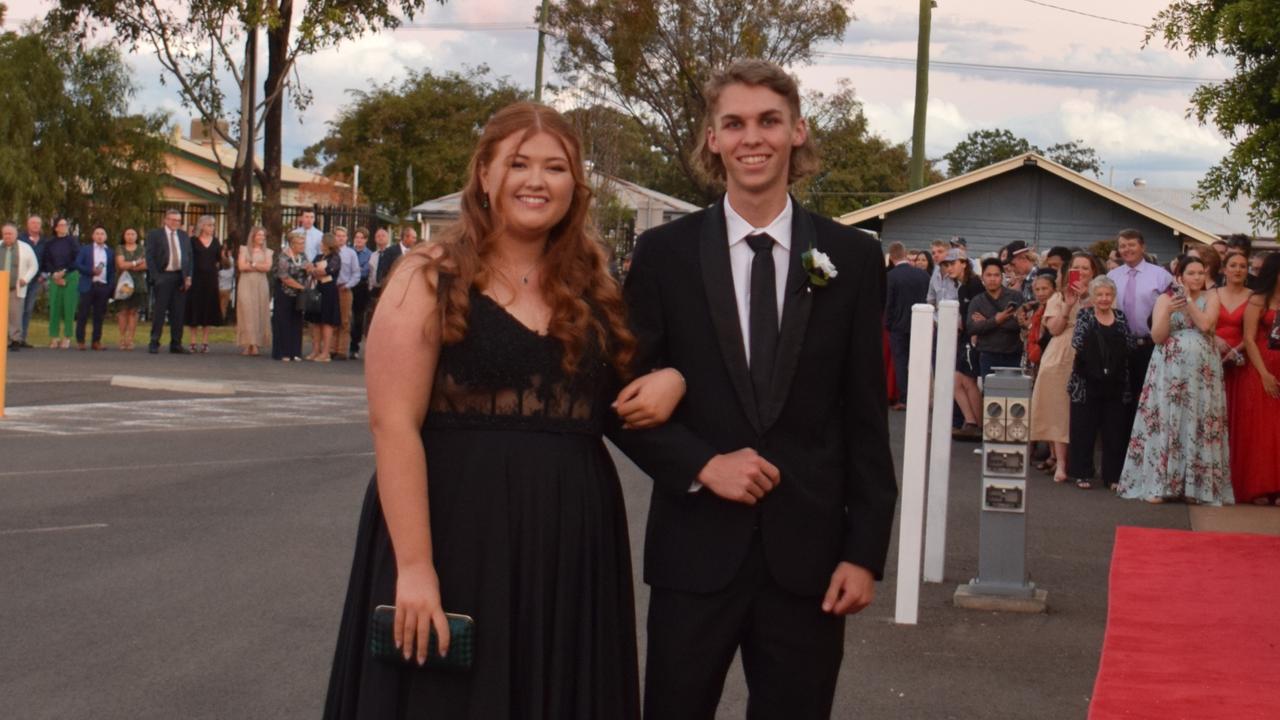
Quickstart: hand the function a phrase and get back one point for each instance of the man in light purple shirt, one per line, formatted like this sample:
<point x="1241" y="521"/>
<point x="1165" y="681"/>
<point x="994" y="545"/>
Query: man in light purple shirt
<point x="1138" y="284"/>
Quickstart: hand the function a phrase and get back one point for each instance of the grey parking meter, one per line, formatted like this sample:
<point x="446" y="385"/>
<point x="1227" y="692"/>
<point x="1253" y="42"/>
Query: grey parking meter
<point x="1002" y="533"/>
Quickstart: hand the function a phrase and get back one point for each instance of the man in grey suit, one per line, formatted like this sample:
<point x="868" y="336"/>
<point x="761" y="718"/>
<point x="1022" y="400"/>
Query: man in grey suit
<point x="169" y="267"/>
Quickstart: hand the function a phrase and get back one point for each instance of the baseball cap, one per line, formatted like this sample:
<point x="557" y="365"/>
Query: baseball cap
<point x="952" y="256"/>
<point x="958" y="241"/>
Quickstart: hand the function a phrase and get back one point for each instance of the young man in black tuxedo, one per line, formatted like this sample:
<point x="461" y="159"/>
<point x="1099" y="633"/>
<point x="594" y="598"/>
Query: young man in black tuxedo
<point x="774" y="490"/>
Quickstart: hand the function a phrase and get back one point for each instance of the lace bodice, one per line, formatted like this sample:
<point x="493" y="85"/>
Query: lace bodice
<point x="504" y="376"/>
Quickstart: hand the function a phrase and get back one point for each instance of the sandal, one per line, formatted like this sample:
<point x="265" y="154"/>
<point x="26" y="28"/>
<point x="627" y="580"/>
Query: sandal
<point x="194" y="349"/>
<point x="204" y="348"/>
<point x="1084" y="484"/>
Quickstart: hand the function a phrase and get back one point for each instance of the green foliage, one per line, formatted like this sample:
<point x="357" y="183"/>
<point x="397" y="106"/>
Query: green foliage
<point x="986" y="147"/>
<point x="68" y="144"/>
<point x="1246" y="107"/>
<point x="982" y="148"/>
<point x="428" y="122"/>
<point x="652" y="57"/>
<point x="616" y="144"/>
<point x="859" y="168"/>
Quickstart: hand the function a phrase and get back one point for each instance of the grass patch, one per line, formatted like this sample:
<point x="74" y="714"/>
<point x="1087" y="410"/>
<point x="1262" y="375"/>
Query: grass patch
<point x="38" y="333"/>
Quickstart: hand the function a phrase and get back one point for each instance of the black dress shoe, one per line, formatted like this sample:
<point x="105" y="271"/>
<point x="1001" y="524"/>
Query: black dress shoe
<point x="27" y="345"/>
<point x="153" y="349"/>
<point x="179" y="350"/>
<point x="15" y="345"/>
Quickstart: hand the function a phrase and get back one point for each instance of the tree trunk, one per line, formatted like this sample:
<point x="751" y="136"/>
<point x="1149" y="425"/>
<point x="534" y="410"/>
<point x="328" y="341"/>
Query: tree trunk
<point x="273" y="131"/>
<point x="240" y="200"/>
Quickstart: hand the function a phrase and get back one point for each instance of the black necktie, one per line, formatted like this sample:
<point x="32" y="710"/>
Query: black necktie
<point x="763" y="323"/>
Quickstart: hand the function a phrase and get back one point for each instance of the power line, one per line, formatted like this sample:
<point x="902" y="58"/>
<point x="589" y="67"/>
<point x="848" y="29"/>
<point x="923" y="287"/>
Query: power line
<point x="1020" y="69"/>
<point x="1085" y="14"/>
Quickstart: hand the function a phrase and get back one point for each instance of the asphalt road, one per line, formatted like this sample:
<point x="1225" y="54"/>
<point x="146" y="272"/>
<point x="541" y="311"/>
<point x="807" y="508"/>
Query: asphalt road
<point x="169" y="555"/>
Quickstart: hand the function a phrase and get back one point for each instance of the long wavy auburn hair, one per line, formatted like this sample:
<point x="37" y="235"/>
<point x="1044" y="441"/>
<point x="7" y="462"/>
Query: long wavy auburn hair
<point x="586" y="302"/>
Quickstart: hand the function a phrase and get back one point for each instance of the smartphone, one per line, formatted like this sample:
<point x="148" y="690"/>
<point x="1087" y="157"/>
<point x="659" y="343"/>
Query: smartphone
<point x="1178" y="292"/>
<point x="1073" y="278"/>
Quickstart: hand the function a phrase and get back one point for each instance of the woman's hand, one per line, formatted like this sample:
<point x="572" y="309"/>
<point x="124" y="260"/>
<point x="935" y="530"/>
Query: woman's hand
<point x="648" y="401"/>
<point x="1270" y="385"/>
<point x="418" y="609"/>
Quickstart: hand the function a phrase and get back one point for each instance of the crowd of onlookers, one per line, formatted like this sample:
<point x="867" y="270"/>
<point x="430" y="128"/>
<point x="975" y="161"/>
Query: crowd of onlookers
<point x="1172" y="370"/>
<point x="320" y="284"/>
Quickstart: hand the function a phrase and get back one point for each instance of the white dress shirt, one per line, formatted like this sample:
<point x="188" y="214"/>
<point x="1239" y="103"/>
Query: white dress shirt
<point x="100" y="259"/>
<point x="741" y="255"/>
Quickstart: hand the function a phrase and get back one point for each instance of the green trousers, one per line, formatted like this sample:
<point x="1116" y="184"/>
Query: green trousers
<point x="63" y="302"/>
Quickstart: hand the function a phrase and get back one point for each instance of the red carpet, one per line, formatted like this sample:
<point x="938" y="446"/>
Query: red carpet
<point x="1193" y="629"/>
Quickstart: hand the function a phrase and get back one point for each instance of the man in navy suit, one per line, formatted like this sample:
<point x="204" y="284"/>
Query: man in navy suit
<point x="907" y="285"/>
<point x="169" y="267"/>
<point x="97" y="267"/>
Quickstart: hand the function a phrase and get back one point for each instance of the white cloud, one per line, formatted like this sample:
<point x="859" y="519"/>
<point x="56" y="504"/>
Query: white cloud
<point x="1135" y="132"/>
<point x="946" y="124"/>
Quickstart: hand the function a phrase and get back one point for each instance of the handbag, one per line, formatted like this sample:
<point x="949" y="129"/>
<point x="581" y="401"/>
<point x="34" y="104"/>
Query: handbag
<point x="309" y="300"/>
<point x="462" y="636"/>
<point x="124" y="286"/>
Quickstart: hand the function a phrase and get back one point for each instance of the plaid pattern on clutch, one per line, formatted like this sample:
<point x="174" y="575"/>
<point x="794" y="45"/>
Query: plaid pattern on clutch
<point x="462" y="632"/>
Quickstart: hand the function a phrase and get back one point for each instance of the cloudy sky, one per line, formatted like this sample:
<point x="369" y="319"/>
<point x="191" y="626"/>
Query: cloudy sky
<point x="1137" y="125"/>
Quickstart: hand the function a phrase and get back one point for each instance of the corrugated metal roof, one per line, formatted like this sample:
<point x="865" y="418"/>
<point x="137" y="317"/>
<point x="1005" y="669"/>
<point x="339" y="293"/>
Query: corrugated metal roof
<point x="1219" y="220"/>
<point x="1189" y="228"/>
<point x="632" y="195"/>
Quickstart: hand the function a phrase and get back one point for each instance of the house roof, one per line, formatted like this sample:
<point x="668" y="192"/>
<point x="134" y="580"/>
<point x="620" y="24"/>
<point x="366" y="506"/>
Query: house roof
<point x="225" y="157"/>
<point x="632" y="194"/>
<point x="1180" y="203"/>
<point x="1181" y="226"/>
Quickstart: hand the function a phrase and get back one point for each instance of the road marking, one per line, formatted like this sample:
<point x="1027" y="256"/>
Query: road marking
<point x="64" y="528"/>
<point x="190" y="463"/>
<point x="306" y="406"/>
<point x="202" y="387"/>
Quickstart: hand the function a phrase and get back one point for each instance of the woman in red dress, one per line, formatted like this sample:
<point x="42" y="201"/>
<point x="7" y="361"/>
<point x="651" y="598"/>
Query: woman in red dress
<point x="1255" y="437"/>
<point x="1233" y="296"/>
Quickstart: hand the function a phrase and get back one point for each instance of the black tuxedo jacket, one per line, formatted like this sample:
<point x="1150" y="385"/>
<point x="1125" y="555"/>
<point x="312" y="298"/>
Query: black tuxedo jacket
<point x="157" y="252"/>
<point x="389" y="258"/>
<point x="907" y="286"/>
<point x="824" y="423"/>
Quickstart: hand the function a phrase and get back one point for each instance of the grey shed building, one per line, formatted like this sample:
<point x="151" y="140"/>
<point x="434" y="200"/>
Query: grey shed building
<point x="1029" y="198"/>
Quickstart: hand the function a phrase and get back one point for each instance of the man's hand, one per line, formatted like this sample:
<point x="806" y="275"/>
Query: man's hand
<point x="186" y="284"/>
<point x="741" y="476"/>
<point x="852" y="589"/>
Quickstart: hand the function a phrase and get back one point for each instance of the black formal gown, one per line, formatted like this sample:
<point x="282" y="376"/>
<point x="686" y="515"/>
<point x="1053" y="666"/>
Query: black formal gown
<point x="529" y="536"/>
<point x="203" y="307"/>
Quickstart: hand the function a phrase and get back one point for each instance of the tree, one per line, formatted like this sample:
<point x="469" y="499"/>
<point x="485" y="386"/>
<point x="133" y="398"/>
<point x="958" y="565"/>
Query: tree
<point x="652" y="57"/>
<point x="617" y="144"/>
<point x="986" y="147"/>
<point x="203" y="48"/>
<point x="982" y="148"/>
<point x="1245" y="108"/>
<point x="428" y="122"/>
<point x="68" y="144"/>
<point x="1077" y="156"/>
<point x="858" y="167"/>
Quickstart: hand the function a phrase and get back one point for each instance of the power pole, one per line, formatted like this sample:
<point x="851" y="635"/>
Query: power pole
<point x="922" y="95"/>
<point x="542" y="46"/>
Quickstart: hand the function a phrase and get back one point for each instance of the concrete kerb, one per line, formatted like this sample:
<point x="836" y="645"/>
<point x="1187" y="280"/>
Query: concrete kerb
<point x="201" y="387"/>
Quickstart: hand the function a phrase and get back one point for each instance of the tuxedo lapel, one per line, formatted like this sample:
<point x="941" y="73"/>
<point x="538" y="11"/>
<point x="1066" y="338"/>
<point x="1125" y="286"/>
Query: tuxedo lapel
<point x="717" y="279"/>
<point x="795" y="316"/>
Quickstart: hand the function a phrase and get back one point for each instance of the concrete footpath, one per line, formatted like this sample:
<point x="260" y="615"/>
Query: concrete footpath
<point x="172" y="554"/>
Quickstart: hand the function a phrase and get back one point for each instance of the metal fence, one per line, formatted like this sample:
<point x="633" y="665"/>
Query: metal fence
<point x="327" y="217"/>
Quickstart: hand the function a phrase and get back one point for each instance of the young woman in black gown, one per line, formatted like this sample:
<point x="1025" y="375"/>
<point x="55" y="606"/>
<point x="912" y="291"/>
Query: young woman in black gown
<point x="494" y="494"/>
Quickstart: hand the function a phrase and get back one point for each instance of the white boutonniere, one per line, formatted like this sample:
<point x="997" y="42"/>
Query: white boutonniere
<point x="819" y="266"/>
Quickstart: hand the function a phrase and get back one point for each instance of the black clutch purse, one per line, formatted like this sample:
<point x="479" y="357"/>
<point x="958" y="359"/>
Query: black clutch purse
<point x="462" y="634"/>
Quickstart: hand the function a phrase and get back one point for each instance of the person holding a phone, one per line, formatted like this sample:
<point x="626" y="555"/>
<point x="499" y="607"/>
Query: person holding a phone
<point x="993" y="321"/>
<point x="1178" y="447"/>
<point x="1050" y="405"/>
<point x="96" y="266"/>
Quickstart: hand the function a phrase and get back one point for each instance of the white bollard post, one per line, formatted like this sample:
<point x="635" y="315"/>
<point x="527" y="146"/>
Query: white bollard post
<point x="915" y="447"/>
<point x="944" y="393"/>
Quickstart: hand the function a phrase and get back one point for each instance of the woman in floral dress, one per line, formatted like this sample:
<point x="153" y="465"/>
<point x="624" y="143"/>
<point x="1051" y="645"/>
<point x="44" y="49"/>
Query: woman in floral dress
<point x="1178" y="449"/>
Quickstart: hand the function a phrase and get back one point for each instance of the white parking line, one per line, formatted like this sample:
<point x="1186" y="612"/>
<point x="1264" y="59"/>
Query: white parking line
<point x="303" y="407"/>
<point x="186" y="464"/>
<point x="64" y="528"/>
